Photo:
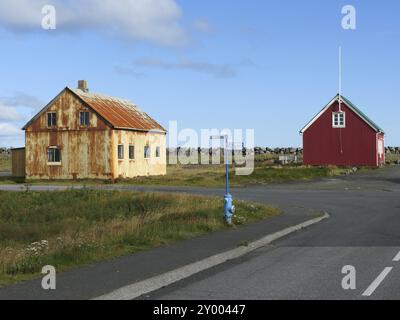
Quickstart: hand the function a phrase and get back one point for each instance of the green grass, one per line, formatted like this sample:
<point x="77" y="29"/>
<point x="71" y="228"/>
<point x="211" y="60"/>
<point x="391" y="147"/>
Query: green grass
<point x="214" y="176"/>
<point x="72" y="228"/>
<point x="5" y="163"/>
<point x="392" y="157"/>
<point x="208" y="176"/>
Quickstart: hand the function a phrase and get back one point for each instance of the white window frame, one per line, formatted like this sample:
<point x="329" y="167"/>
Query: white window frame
<point x="338" y="125"/>
<point x="53" y="163"/>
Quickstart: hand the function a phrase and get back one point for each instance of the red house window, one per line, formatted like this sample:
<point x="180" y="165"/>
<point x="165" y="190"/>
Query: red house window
<point x="338" y="120"/>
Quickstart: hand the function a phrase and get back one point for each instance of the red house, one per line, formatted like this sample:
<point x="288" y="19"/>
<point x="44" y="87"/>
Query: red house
<point x="343" y="136"/>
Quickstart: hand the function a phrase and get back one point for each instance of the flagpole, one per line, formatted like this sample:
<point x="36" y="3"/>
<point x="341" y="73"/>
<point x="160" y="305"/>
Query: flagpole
<point x="340" y="78"/>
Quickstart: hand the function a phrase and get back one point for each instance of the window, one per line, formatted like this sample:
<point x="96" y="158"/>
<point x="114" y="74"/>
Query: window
<point x="53" y="155"/>
<point x="131" y="152"/>
<point x="84" y="118"/>
<point x="158" y="152"/>
<point x="338" y="120"/>
<point x="51" y="119"/>
<point x="147" y="152"/>
<point x="120" y="152"/>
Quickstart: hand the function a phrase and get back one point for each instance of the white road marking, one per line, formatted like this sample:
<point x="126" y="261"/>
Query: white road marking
<point x="138" y="289"/>
<point x="397" y="258"/>
<point x="374" y="285"/>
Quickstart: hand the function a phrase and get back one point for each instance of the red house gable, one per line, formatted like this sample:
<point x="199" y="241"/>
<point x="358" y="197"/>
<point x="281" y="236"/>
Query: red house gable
<point x="343" y="137"/>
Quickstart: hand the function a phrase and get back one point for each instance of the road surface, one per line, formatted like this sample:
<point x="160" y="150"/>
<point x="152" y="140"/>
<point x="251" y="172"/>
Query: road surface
<point x="363" y="232"/>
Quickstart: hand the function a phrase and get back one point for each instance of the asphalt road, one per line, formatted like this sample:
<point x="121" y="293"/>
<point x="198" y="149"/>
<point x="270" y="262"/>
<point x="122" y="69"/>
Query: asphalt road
<point x="363" y="231"/>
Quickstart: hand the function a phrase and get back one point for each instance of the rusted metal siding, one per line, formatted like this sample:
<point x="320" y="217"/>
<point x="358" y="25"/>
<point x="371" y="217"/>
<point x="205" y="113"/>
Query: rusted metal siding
<point x="86" y="152"/>
<point x="18" y="162"/>
<point x="354" y="145"/>
<point x="139" y="166"/>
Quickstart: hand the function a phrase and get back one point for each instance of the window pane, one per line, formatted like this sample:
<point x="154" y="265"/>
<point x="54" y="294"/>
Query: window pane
<point x="57" y="157"/>
<point x="120" y="152"/>
<point x="54" y="155"/>
<point x="158" y="152"/>
<point x="131" y="152"/>
<point x="84" y="118"/>
<point x="51" y="119"/>
<point x="147" y="152"/>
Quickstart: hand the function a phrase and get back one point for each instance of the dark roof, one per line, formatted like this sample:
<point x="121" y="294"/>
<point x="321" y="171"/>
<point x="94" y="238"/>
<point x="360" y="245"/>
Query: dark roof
<point x="352" y="107"/>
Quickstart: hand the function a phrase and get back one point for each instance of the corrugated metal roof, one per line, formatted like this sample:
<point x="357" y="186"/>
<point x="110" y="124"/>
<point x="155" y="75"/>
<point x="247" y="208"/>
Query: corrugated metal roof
<point x="120" y="113"/>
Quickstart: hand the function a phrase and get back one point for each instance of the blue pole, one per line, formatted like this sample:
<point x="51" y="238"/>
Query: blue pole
<point x="229" y="208"/>
<point x="226" y="166"/>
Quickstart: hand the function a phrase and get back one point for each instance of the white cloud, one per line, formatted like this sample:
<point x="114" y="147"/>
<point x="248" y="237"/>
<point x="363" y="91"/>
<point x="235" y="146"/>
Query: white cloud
<point x="9" y="130"/>
<point x="203" y="25"/>
<point x="21" y="99"/>
<point x="14" y="112"/>
<point x="155" y="21"/>
<point x="9" y="113"/>
<point x="217" y="70"/>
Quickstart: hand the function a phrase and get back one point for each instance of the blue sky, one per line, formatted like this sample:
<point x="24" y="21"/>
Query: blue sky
<point x="256" y="64"/>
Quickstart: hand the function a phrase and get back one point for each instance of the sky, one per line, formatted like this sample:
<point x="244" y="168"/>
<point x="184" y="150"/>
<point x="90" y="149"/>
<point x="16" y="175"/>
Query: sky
<point x="255" y="64"/>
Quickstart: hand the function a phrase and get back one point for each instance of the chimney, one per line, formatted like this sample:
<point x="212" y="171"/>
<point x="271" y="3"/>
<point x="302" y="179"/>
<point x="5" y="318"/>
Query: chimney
<point x="82" y="85"/>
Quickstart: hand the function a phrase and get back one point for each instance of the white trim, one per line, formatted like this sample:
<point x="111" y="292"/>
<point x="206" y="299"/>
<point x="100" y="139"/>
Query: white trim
<point x="313" y="120"/>
<point x="54" y="163"/>
<point x="339" y="126"/>
<point x="319" y="115"/>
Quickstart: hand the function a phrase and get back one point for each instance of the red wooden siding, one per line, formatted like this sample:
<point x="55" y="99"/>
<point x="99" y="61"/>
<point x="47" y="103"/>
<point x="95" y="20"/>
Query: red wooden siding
<point x="355" y="145"/>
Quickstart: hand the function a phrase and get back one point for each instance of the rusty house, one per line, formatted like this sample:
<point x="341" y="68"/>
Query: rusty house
<point x="84" y="135"/>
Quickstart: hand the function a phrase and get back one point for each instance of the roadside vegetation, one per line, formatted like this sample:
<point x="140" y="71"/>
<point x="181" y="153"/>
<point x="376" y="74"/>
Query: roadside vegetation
<point x="208" y="176"/>
<point x="267" y="171"/>
<point x="214" y="176"/>
<point x="5" y="163"/>
<point x="76" y="227"/>
<point x="392" y="158"/>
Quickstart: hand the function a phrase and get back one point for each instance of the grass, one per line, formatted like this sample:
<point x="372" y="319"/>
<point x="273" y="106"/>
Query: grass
<point x="5" y="163"/>
<point x="265" y="172"/>
<point x="392" y="157"/>
<point x="209" y="176"/>
<point x="214" y="176"/>
<point x="72" y="228"/>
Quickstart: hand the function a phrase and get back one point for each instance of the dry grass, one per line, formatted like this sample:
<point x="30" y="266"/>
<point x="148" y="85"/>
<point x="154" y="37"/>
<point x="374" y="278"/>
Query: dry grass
<point x="214" y="176"/>
<point x="392" y="157"/>
<point x="72" y="228"/>
<point x="5" y="163"/>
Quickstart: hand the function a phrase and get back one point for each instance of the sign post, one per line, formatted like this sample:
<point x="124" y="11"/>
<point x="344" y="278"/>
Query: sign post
<point x="229" y="208"/>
